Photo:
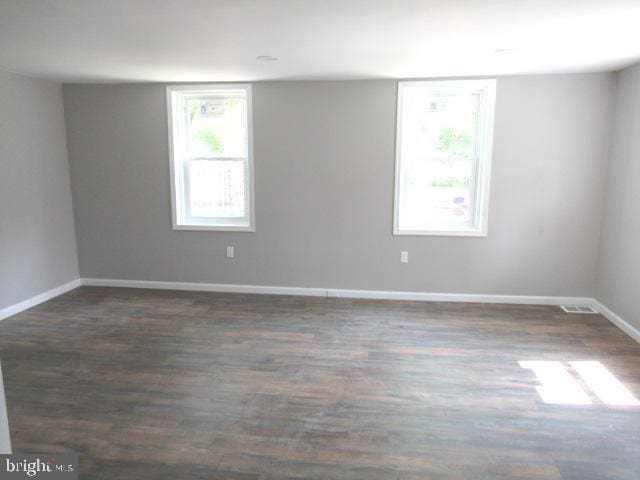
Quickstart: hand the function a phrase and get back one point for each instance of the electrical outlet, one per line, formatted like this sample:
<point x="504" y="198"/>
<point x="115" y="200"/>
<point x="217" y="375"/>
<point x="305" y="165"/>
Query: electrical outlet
<point x="404" y="256"/>
<point x="230" y="253"/>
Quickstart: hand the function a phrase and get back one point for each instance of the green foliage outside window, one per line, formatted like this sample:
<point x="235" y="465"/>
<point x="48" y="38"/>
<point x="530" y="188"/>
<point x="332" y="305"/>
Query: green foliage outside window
<point x="449" y="182"/>
<point x="209" y="137"/>
<point x="454" y="143"/>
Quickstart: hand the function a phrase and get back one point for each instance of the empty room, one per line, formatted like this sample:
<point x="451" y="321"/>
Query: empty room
<point x="320" y="239"/>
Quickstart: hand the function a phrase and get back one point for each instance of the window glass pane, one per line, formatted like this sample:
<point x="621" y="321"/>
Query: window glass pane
<point x="216" y="127"/>
<point x="216" y="188"/>
<point x="439" y="156"/>
<point x="437" y="192"/>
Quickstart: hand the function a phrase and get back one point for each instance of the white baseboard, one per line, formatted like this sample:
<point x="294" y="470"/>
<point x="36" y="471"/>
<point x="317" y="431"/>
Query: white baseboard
<point x="617" y="320"/>
<point x="458" y="297"/>
<point x="626" y="327"/>
<point x="372" y="294"/>
<point x="337" y="292"/>
<point x="41" y="297"/>
<point x="204" y="287"/>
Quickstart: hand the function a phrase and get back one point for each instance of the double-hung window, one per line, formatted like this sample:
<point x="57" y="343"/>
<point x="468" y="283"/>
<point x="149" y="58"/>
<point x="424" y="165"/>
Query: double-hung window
<point x="443" y="157"/>
<point x="210" y="142"/>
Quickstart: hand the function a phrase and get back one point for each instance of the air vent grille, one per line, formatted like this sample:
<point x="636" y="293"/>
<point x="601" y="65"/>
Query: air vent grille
<point x="578" y="309"/>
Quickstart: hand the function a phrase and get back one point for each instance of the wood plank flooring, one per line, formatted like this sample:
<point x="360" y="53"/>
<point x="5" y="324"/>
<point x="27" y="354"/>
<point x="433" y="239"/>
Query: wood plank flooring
<point x="148" y="384"/>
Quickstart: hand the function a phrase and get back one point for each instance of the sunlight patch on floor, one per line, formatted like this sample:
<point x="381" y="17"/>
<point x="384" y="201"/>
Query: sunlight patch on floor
<point x="604" y="384"/>
<point x="558" y="386"/>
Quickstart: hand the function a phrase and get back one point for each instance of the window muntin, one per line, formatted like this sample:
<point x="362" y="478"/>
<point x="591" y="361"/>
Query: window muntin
<point x="211" y="157"/>
<point x="443" y="157"/>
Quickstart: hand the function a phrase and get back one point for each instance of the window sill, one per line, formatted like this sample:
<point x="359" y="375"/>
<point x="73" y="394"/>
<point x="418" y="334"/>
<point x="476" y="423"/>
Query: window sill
<point x="215" y="228"/>
<point x="441" y="233"/>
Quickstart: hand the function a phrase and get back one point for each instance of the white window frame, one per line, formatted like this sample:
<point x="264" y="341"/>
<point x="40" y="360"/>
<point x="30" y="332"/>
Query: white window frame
<point x="483" y="166"/>
<point x="179" y="187"/>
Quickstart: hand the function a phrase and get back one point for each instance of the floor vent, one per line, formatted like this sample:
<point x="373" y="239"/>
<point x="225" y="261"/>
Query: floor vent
<point x="578" y="309"/>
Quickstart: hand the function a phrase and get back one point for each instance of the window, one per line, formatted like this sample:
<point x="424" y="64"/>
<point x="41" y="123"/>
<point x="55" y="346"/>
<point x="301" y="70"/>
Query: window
<point x="443" y="157"/>
<point x="210" y="146"/>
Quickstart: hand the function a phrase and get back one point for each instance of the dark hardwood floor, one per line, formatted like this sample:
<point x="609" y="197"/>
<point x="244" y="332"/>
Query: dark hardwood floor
<point x="148" y="384"/>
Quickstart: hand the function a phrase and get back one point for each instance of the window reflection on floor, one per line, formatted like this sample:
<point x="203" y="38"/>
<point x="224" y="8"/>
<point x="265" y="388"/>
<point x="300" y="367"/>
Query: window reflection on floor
<point x="604" y="384"/>
<point x="560" y="387"/>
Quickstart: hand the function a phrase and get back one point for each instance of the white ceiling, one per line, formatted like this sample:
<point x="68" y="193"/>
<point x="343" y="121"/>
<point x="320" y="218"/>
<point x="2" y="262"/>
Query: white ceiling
<point x="218" y="40"/>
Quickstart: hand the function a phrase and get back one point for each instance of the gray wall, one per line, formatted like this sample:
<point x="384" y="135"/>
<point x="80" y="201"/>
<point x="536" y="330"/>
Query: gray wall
<point x="324" y="159"/>
<point x="5" y="434"/>
<point x="618" y="277"/>
<point x="37" y="238"/>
